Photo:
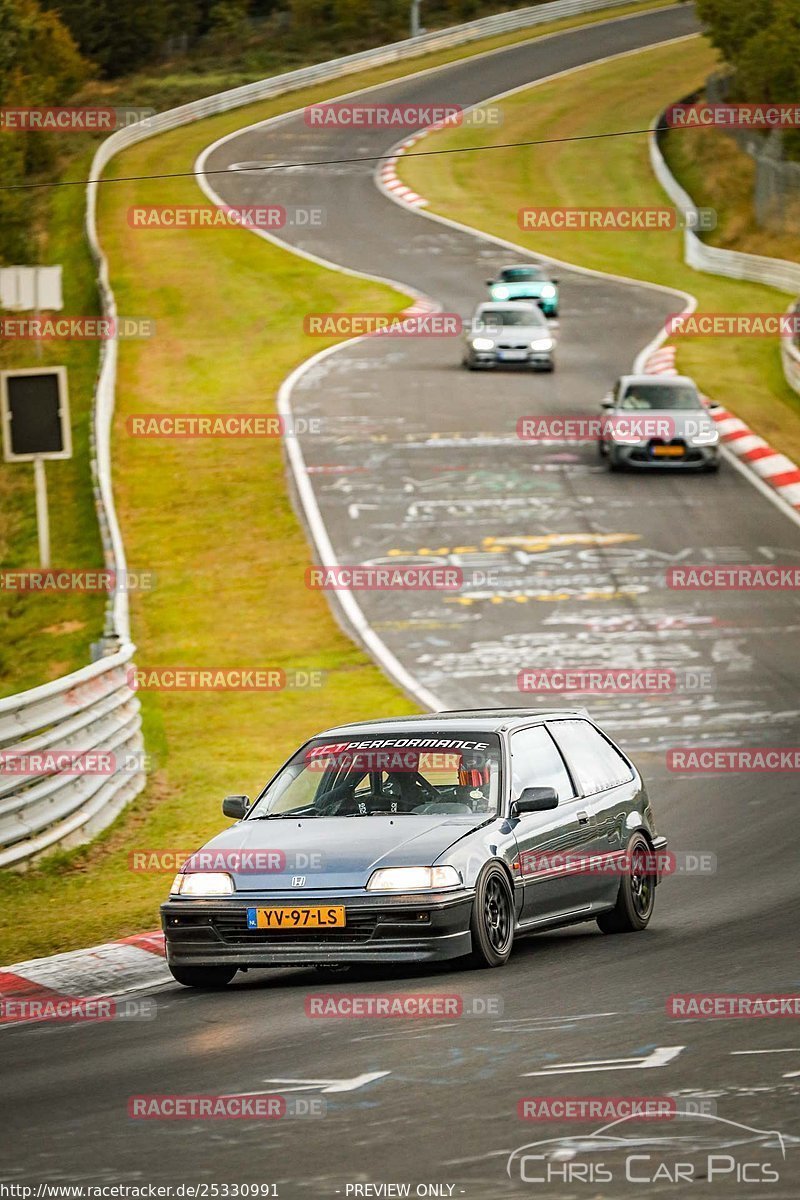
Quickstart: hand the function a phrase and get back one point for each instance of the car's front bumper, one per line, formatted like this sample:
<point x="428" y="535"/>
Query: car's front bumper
<point x="542" y="360"/>
<point x="644" y="457"/>
<point x="214" y="932"/>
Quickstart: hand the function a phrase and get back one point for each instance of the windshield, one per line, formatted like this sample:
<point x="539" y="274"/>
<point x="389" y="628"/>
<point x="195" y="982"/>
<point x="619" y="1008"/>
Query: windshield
<point x="654" y="395"/>
<point x="502" y="318"/>
<point x="426" y="774"/>
<point x="521" y="274"/>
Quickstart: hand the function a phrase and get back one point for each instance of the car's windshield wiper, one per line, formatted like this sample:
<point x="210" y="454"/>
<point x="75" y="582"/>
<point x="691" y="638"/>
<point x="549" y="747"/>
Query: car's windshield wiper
<point x="283" y="816"/>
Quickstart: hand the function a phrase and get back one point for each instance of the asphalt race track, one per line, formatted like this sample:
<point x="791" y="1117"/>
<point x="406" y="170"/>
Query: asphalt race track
<point x="418" y="462"/>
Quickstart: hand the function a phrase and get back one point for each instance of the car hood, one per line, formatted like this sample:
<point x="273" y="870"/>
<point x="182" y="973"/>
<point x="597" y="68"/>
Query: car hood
<point x="330" y="852"/>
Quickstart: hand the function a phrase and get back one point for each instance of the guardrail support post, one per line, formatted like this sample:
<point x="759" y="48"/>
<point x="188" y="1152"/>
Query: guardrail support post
<point x="42" y="515"/>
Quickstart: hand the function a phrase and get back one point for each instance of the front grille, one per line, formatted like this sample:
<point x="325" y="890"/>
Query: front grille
<point x="512" y="345"/>
<point x="232" y="928"/>
<point x="690" y="454"/>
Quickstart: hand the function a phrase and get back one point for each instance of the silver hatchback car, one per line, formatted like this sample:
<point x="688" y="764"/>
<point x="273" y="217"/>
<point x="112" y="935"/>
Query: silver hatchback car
<point x="515" y="334"/>
<point x="658" y="421"/>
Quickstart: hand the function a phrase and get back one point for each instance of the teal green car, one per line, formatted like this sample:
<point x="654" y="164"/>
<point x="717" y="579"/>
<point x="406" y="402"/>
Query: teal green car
<point x="526" y="282"/>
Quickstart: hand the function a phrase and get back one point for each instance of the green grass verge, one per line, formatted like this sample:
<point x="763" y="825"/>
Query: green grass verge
<point x="43" y="636"/>
<point x="744" y="373"/>
<point x="213" y="521"/>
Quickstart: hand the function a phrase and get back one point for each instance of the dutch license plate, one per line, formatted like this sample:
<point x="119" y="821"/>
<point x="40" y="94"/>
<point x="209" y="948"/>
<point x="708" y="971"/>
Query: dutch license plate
<point x="316" y="917"/>
<point x="512" y="355"/>
<point x="668" y="451"/>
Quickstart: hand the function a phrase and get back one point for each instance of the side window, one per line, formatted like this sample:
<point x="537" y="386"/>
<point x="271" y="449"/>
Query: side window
<point x="536" y="762"/>
<point x="594" y="762"/>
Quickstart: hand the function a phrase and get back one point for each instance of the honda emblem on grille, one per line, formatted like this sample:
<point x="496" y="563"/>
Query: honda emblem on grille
<point x="298" y="880"/>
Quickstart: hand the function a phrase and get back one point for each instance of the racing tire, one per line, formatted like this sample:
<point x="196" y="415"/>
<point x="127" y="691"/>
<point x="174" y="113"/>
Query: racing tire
<point x="208" y="978"/>
<point x="711" y="468"/>
<point x="613" y="462"/>
<point x="492" y="920"/>
<point x="602" y="449"/>
<point x="636" y="895"/>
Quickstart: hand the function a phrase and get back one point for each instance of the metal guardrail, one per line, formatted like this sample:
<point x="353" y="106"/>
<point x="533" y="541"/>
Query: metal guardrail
<point x="90" y="711"/>
<point x="779" y="273"/>
<point x="93" y="709"/>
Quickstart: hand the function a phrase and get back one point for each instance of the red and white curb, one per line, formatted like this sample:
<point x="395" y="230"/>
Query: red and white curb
<point x="387" y="175"/>
<point x="111" y="969"/>
<point x="420" y="308"/>
<point x="767" y="463"/>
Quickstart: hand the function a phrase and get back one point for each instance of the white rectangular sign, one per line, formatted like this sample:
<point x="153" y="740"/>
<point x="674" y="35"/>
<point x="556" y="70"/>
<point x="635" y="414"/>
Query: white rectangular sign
<point x="31" y="288"/>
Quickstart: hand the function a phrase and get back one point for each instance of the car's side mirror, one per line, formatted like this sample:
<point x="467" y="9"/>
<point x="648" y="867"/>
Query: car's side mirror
<point x="552" y="280"/>
<point x="607" y="402"/>
<point x="536" y="799"/>
<point x="489" y="282"/>
<point x="235" y="806"/>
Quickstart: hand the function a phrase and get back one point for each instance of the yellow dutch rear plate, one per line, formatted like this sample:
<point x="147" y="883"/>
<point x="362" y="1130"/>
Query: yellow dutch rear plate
<point x="668" y="451"/>
<point x="303" y="917"/>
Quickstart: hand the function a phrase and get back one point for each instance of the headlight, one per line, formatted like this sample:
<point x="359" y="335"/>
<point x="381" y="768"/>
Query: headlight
<point x="413" y="879"/>
<point x="548" y="291"/>
<point x="542" y="344"/>
<point x="501" y="293"/>
<point x="202" y="883"/>
<point x="481" y="343"/>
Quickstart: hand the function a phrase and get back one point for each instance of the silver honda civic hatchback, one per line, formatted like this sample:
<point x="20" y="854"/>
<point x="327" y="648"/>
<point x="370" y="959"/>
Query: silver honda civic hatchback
<point x="420" y="839"/>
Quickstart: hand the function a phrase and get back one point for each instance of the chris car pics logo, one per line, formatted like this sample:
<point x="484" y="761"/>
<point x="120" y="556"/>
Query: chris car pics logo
<point x="705" y="1148"/>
